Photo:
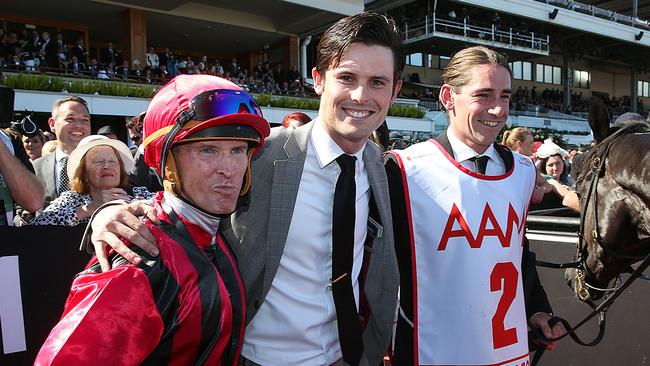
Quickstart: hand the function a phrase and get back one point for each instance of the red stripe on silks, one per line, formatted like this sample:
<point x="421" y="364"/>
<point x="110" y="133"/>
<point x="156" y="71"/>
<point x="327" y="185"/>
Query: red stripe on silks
<point x="470" y="172"/>
<point x="530" y="203"/>
<point x="189" y="334"/>
<point x="510" y="360"/>
<point x="242" y="296"/>
<point x="407" y="200"/>
<point x="488" y="364"/>
<point x="210" y="299"/>
<point x="225" y="327"/>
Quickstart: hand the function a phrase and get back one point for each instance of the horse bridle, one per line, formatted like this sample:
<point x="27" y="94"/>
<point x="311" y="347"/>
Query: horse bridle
<point x="581" y="286"/>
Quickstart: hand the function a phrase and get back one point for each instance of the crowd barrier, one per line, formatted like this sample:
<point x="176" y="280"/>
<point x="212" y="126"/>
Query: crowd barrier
<point x="37" y="266"/>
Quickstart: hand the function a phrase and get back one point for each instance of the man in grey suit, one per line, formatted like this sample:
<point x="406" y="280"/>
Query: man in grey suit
<point x="70" y="121"/>
<point x="297" y="294"/>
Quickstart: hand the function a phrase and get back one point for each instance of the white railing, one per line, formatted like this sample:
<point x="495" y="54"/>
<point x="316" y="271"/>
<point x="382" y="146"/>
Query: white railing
<point x="599" y="12"/>
<point x="509" y="37"/>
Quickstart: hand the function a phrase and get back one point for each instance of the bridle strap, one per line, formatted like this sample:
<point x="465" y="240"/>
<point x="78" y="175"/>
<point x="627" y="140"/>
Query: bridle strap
<point x="600" y="310"/>
<point x="598" y="170"/>
<point x="574" y="264"/>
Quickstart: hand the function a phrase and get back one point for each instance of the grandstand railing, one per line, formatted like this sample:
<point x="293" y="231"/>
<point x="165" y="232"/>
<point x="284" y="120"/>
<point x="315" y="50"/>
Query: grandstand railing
<point x="598" y="12"/>
<point x="433" y="25"/>
<point x="135" y="80"/>
<point x="430" y="104"/>
<point x="83" y="74"/>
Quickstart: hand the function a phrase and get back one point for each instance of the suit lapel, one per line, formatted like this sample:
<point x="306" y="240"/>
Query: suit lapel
<point x="287" y="172"/>
<point x="506" y="156"/>
<point x="379" y="190"/>
<point x="444" y="142"/>
<point x="50" y="175"/>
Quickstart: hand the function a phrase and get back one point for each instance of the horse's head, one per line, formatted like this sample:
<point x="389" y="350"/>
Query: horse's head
<point x="614" y="189"/>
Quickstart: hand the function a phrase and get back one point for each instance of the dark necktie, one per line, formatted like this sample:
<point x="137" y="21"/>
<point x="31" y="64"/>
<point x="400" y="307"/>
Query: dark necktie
<point x="64" y="183"/>
<point x="481" y="163"/>
<point x="342" y="250"/>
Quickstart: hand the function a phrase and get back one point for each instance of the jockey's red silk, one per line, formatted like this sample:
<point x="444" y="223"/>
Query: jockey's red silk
<point x="175" y="312"/>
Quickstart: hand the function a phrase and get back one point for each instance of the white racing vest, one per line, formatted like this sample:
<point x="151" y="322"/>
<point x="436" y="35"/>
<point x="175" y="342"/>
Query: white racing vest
<point x="467" y="234"/>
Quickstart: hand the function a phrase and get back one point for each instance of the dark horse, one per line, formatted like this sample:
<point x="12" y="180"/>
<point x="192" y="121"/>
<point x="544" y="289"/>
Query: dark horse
<point x="614" y="189"/>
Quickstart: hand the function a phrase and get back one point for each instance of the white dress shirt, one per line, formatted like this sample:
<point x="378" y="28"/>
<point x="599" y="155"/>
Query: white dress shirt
<point x="462" y="154"/>
<point x="296" y="324"/>
<point x="57" y="168"/>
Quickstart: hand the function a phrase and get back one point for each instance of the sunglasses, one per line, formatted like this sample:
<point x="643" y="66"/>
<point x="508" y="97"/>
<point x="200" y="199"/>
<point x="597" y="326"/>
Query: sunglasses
<point x="207" y="105"/>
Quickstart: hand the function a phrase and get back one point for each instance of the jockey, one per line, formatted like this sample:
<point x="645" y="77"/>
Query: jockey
<point x="186" y="305"/>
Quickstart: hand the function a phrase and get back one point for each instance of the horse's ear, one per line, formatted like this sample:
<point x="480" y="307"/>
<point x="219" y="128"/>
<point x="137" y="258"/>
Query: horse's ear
<point x="598" y="119"/>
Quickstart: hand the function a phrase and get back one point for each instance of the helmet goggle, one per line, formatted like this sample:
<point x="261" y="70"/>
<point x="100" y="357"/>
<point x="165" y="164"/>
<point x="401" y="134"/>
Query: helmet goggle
<point x="221" y="102"/>
<point x="208" y="105"/>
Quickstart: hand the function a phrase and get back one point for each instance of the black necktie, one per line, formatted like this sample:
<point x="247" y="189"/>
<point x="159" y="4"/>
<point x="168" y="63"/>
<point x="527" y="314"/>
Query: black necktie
<point x="64" y="183"/>
<point x="481" y="163"/>
<point x="342" y="250"/>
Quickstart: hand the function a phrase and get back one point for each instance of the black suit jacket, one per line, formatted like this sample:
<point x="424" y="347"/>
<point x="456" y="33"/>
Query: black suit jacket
<point x="80" y="53"/>
<point x="80" y="68"/>
<point x="51" y="54"/>
<point x="109" y="56"/>
<point x="534" y="294"/>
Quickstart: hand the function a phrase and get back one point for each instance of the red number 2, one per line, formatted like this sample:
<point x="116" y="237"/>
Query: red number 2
<point x="506" y="274"/>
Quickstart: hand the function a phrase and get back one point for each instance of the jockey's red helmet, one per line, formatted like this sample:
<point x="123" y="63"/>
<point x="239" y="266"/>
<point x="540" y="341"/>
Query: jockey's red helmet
<point x="199" y="107"/>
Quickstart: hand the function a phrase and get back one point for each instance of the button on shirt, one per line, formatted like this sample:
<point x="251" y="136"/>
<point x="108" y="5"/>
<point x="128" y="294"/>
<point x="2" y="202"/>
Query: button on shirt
<point x="462" y="154"/>
<point x="296" y="324"/>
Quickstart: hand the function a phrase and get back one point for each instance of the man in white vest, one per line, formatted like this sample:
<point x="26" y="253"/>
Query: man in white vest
<point x="469" y="289"/>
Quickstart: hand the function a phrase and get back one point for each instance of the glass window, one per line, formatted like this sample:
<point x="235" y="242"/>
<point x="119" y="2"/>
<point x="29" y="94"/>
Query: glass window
<point x="557" y="75"/>
<point x="639" y="88"/>
<point x="548" y="74"/>
<point x="416" y="59"/>
<point x="646" y="89"/>
<point x="539" y="73"/>
<point x="444" y="61"/>
<point x="527" y="72"/>
<point x="581" y="79"/>
<point x="516" y="70"/>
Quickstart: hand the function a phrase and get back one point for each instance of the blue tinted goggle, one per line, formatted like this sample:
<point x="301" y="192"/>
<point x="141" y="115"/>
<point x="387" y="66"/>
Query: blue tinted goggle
<point x="222" y="102"/>
<point x="207" y="105"/>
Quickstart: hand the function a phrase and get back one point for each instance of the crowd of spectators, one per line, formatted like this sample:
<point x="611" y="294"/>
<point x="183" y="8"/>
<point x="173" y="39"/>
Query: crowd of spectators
<point x="553" y="100"/>
<point x="20" y="51"/>
<point x="69" y="194"/>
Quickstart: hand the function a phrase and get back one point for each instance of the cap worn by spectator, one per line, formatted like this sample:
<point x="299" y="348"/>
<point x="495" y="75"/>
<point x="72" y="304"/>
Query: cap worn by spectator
<point x="628" y="117"/>
<point x="108" y="131"/>
<point x="549" y="148"/>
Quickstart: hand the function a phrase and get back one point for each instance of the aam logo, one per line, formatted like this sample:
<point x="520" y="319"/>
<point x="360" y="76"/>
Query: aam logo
<point x="525" y="161"/>
<point x="489" y="226"/>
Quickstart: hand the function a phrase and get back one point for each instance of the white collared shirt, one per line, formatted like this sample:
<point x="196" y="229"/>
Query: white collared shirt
<point x="462" y="154"/>
<point x="296" y="324"/>
<point x="57" y="168"/>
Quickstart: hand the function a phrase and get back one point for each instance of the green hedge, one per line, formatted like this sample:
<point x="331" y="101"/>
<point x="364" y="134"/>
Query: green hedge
<point x="268" y="100"/>
<point x="121" y="89"/>
<point x="80" y="86"/>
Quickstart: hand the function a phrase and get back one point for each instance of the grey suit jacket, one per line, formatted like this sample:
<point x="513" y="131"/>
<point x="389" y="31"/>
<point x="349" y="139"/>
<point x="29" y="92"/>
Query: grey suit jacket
<point x="45" y="169"/>
<point x="259" y="231"/>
